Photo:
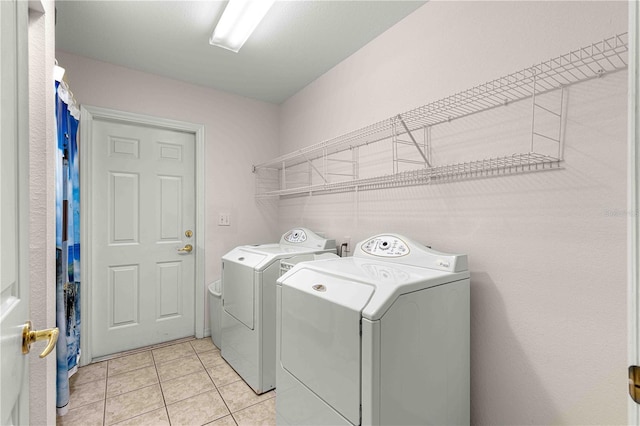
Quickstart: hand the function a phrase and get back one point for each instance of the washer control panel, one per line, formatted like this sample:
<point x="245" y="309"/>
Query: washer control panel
<point x="295" y="236"/>
<point x="394" y="248"/>
<point x="385" y="246"/>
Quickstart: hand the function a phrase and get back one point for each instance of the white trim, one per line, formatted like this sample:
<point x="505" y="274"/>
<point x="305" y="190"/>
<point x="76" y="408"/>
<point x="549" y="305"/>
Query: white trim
<point x="633" y="412"/>
<point x="87" y="116"/>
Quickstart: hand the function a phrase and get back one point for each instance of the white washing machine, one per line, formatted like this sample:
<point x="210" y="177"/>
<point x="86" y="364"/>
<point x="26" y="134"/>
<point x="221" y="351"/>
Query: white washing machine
<point x="249" y="276"/>
<point x="379" y="338"/>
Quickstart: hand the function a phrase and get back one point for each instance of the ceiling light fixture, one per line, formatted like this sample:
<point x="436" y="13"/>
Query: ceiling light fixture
<point x="238" y="21"/>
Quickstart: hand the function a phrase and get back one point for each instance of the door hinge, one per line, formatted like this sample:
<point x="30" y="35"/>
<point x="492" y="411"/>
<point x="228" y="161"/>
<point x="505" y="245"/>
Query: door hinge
<point x="634" y="383"/>
<point x="360" y="326"/>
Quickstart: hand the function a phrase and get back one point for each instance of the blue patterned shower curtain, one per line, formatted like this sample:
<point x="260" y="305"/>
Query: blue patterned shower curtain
<point x="67" y="242"/>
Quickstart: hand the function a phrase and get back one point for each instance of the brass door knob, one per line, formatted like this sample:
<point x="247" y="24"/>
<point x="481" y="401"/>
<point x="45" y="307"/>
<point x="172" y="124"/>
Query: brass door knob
<point x="29" y="336"/>
<point x="186" y="249"/>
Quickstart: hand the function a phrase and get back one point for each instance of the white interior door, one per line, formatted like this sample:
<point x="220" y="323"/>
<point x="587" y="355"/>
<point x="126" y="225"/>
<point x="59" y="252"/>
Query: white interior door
<point x="14" y="289"/>
<point x="143" y="211"/>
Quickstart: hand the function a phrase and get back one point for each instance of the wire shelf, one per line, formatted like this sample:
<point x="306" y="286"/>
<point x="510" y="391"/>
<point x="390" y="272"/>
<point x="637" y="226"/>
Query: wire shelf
<point x="593" y="61"/>
<point x="498" y="166"/>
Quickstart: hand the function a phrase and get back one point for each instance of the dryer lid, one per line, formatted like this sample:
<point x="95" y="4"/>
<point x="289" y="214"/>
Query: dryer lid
<point x="246" y="258"/>
<point x="261" y="256"/>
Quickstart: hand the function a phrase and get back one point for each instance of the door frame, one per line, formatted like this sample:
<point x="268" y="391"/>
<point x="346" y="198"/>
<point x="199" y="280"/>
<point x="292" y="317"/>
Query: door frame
<point x="89" y="114"/>
<point x="633" y="257"/>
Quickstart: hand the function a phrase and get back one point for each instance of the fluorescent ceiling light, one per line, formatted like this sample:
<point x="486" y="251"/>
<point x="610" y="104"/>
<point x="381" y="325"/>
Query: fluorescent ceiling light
<point x="238" y="21"/>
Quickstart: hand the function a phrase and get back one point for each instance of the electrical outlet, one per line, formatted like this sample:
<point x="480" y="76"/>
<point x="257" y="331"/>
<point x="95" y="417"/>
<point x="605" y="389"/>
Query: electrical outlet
<point x="223" y="219"/>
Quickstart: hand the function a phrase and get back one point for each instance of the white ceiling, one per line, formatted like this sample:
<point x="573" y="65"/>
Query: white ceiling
<point x="297" y="42"/>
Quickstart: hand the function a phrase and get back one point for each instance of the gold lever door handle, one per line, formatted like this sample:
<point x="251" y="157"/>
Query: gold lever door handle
<point x="186" y="249"/>
<point x="29" y="336"/>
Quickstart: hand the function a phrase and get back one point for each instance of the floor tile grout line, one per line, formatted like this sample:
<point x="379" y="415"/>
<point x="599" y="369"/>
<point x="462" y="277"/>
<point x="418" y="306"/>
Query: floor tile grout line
<point x="140" y="415"/>
<point x="131" y="371"/>
<point x="174" y="359"/>
<point x="208" y="350"/>
<point x="166" y="410"/>
<point x="248" y="406"/>
<point x="130" y="392"/>
<point x="233" y="418"/>
<point x="126" y="372"/>
<point x="226" y="384"/>
<point x="194" y="395"/>
<point x="215" y="387"/>
<point x="253" y="405"/>
<point x="222" y="361"/>
<point x="143" y="349"/>
<point x="164" y="401"/>
<point x="74" y="378"/>
<point x="73" y="406"/>
<point x="106" y="387"/>
<point x="166" y="406"/>
<point x="219" y="393"/>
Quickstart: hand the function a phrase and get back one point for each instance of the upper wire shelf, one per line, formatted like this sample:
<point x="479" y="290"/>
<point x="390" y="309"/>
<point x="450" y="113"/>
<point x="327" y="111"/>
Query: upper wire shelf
<point x="589" y="62"/>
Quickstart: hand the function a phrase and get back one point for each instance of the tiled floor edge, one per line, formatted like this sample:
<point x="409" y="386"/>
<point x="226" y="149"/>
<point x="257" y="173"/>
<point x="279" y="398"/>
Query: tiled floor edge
<point x="143" y="349"/>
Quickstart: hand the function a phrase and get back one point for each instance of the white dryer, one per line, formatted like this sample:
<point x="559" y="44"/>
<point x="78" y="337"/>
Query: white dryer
<point x="249" y="276"/>
<point x="379" y="338"/>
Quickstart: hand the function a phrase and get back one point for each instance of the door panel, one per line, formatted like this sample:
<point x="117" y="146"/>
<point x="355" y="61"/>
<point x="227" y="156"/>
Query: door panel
<point x="170" y="297"/>
<point x="14" y="390"/>
<point x="123" y="295"/>
<point x="123" y="216"/>
<point x="143" y="287"/>
<point x="170" y="207"/>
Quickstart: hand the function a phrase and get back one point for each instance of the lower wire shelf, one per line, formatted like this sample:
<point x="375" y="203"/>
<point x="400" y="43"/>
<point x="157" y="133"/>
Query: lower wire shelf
<point x="498" y="166"/>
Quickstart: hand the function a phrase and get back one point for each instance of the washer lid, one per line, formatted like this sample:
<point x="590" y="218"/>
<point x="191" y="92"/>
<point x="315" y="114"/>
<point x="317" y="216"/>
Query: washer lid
<point x="259" y="257"/>
<point x="387" y="280"/>
<point x="247" y="258"/>
<point x="320" y="336"/>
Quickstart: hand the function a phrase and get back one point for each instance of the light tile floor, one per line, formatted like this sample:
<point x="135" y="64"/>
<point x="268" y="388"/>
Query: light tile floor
<point x="187" y="383"/>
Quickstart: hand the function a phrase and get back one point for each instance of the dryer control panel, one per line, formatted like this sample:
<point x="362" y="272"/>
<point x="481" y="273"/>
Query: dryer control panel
<point x="295" y="236"/>
<point x="396" y="248"/>
<point x="303" y="237"/>
<point x="385" y="246"/>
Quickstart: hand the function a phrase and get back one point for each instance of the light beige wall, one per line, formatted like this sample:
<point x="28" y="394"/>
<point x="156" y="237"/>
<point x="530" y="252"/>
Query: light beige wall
<point x="547" y="250"/>
<point x="239" y="132"/>
<point x="42" y="245"/>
